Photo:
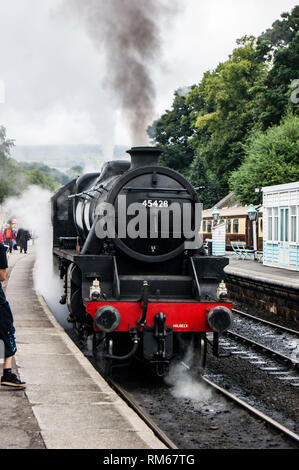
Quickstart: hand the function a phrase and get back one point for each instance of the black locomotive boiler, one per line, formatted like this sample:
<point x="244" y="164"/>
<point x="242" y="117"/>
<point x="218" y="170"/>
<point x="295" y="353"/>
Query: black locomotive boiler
<point x="146" y="297"/>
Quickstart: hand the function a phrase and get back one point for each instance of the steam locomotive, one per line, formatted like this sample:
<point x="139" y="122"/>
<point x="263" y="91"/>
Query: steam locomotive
<point x="140" y="291"/>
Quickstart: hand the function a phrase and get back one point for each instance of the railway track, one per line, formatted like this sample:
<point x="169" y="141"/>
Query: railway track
<point x="261" y="347"/>
<point x="161" y="428"/>
<point x="254" y="411"/>
<point x="282" y="366"/>
<point x="273" y="348"/>
<point x="266" y="322"/>
<point x="237" y="402"/>
<point x="156" y="430"/>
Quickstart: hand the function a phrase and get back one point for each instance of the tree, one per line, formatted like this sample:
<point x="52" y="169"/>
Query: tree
<point x="223" y="109"/>
<point x="11" y="175"/>
<point x="38" y="178"/>
<point x="279" y="35"/>
<point x="56" y="175"/>
<point x="5" y="144"/>
<point x="272" y="157"/>
<point x="172" y="131"/>
<point x="206" y="133"/>
<point x="278" y="46"/>
<point x="14" y="179"/>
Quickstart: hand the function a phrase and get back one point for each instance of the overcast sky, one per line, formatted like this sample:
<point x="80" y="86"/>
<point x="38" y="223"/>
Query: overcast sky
<point x="53" y="75"/>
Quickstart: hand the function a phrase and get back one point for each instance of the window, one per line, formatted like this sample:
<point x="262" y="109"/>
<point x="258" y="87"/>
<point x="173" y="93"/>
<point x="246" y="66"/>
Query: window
<point x="269" y="217"/>
<point x="209" y="226"/>
<point x="228" y="225"/>
<point x="284" y="224"/>
<point x="293" y="224"/>
<point x="275" y="220"/>
<point x="236" y="226"/>
<point x="204" y="225"/>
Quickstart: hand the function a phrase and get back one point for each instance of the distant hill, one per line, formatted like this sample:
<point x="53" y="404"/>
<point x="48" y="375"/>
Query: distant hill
<point x="63" y="157"/>
<point x="57" y="175"/>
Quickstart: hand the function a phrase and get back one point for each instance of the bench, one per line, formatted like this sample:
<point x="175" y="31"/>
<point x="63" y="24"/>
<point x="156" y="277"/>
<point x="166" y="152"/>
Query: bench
<point x="206" y="244"/>
<point x="260" y="256"/>
<point x="240" y="251"/>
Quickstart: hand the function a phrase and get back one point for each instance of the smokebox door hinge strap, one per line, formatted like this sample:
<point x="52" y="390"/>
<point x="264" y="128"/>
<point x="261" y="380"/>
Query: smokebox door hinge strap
<point x="197" y="285"/>
<point x="144" y="299"/>
<point x="116" y="279"/>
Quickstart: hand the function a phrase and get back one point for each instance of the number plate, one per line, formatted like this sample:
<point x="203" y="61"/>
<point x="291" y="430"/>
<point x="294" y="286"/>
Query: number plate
<point x="157" y="203"/>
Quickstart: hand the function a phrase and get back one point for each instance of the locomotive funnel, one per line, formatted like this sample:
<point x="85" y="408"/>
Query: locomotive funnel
<point x="144" y="156"/>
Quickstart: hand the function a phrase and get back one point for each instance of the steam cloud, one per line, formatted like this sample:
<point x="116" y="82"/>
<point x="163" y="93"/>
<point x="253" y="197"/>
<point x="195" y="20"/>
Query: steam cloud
<point x="33" y="212"/>
<point x="129" y="33"/>
<point x="183" y="384"/>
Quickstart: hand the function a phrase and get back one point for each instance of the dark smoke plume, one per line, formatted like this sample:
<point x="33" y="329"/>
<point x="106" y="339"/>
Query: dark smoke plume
<point x="128" y="31"/>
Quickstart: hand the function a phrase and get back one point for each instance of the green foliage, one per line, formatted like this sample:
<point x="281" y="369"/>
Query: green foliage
<point x="207" y="132"/>
<point x="39" y="178"/>
<point x="15" y="178"/>
<point x="279" y="46"/>
<point x="278" y="36"/>
<point x="11" y="176"/>
<point x="172" y="133"/>
<point x="5" y="144"/>
<point x="56" y="175"/>
<point x="225" y="110"/>
<point x="272" y="157"/>
<point x="223" y="114"/>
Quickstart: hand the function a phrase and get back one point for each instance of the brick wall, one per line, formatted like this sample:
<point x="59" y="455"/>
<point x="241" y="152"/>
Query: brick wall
<point x="260" y="297"/>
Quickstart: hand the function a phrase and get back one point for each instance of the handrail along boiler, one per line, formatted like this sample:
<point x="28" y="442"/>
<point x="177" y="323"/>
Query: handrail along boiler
<point x="148" y="298"/>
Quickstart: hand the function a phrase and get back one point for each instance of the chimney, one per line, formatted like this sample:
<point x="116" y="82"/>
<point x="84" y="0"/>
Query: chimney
<point x="144" y="156"/>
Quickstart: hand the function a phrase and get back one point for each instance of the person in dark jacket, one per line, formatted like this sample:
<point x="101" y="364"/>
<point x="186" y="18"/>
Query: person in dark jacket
<point x="7" y="331"/>
<point x="22" y="239"/>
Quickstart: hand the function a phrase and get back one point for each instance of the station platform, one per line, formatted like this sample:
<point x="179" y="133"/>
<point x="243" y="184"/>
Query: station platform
<point x="257" y="271"/>
<point x="272" y="293"/>
<point x="67" y="404"/>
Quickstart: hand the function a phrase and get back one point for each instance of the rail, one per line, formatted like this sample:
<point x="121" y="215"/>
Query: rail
<point x="261" y="347"/>
<point x="275" y="424"/>
<point x="266" y="322"/>
<point x="156" y="430"/>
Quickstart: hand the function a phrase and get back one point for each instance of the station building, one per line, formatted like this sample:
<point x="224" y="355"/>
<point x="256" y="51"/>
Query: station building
<point x="238" y="227"/>
<point x="281" y="225"/>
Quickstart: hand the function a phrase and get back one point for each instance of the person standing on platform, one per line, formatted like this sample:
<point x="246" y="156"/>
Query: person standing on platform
<point x="7" y="331"/>
<point x="8" y="237"/>
<point x="22" y="239"/>
<point x="14" y="236"/>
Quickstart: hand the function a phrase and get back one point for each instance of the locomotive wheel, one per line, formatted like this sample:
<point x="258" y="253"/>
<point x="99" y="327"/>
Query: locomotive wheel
<point x="202" y="354"/>
<point x="193" y="353"/>
<point x="102" y="345"/>
<point x="108" y="362"/>
<point x="199" y="355"/>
